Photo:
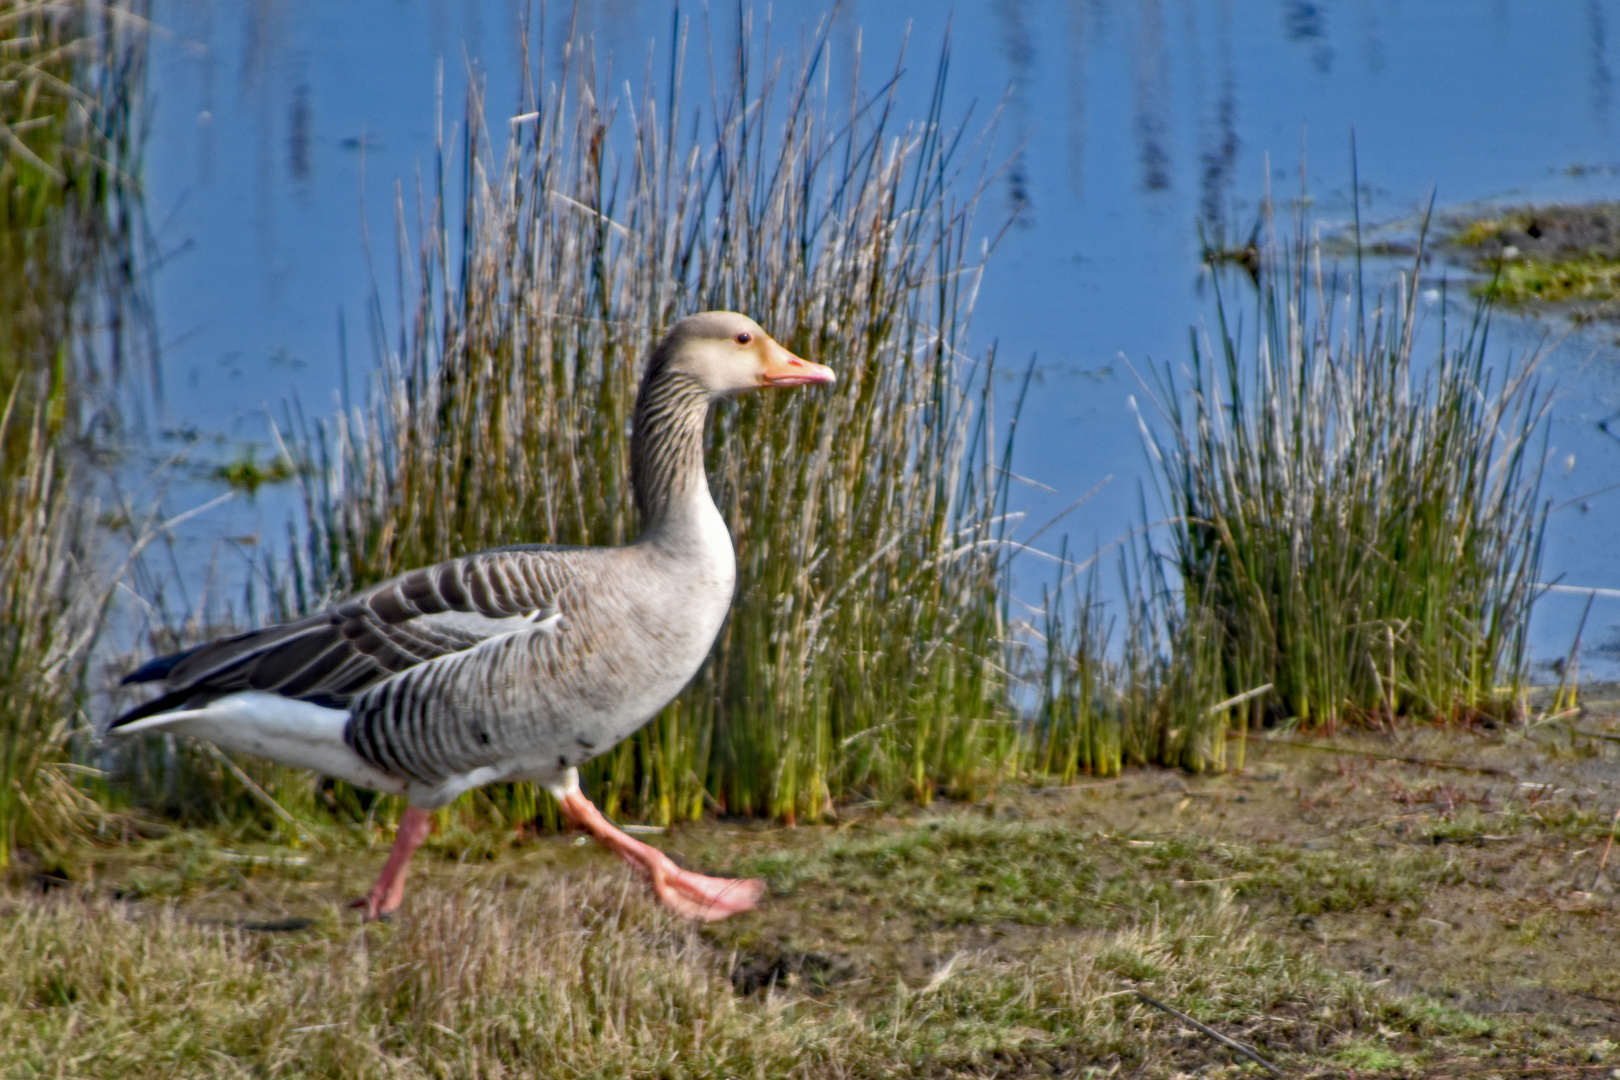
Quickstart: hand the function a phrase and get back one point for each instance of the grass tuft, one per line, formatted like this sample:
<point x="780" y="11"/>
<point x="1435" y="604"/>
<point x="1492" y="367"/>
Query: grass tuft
<point x="49" y="608"/>
<point x="1352" y="526"/>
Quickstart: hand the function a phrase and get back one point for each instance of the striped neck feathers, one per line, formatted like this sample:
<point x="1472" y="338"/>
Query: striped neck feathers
<point x="666" y="443"/>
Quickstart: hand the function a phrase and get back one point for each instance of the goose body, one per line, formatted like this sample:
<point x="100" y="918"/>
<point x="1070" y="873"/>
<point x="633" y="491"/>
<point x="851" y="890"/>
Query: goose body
<point x="518" y="663"/>
<point x="515" y="664"/>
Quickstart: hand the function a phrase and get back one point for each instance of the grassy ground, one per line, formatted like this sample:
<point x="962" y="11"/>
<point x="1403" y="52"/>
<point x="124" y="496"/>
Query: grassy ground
<point x="1331" y="905"/>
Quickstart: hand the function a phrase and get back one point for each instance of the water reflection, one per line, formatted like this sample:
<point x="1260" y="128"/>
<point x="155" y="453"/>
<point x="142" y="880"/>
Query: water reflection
<point x="298" y="135"/>
<point x="1080" y="35"/>
<point x="259" y="38"/>
<point x="1372" y="42"/>
<point x="1019" y="49"/>
<point x="1306" y="22"/>
<point x="201" y="41"/>
<point x="1602" y="80"/>
<point x="1152" y="97"/>
<point x="1220" y="137"/>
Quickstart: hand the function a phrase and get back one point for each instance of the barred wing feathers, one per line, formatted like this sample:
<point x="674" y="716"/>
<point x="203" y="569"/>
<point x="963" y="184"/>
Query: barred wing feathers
<point x="332" y="657"/>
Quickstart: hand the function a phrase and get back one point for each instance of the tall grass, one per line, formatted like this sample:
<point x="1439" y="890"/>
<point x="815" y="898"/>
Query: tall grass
<point x="863" y="653"/>
<point x="48" y="612"/>
<point x="68" y="76"/>
<point x="1358" y="528"/>
<point x="1139" y="687"/>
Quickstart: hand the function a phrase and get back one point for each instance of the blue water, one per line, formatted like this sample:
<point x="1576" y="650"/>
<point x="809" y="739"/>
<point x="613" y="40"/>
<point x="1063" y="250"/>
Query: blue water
<point x="280" y="131"/>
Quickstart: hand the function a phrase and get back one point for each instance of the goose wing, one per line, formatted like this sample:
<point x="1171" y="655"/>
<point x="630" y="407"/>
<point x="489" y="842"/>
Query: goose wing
<point x="331" y="657"/>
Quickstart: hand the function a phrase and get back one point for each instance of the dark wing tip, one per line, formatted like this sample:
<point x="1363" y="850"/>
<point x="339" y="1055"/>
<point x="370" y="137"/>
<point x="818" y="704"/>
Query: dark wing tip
<point x="152" y="708"/>
<point x="153" y="670"/>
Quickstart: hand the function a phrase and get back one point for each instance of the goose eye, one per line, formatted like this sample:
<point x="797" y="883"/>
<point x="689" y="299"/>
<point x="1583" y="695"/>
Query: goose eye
<point x="744" y="338"/>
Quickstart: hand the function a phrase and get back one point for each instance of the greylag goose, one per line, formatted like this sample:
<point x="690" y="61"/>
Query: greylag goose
<point x="517" y="663"/>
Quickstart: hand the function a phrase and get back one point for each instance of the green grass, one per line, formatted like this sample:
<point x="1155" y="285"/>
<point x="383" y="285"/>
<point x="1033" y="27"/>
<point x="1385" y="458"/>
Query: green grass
<point x="1324" y="909"/>
<point x="1562" y="281"/>
<point x="246" y="473"/>
<point x="963" y="870"/>
<point x="1482" y="230"/>
<point x="1354" y="526"/>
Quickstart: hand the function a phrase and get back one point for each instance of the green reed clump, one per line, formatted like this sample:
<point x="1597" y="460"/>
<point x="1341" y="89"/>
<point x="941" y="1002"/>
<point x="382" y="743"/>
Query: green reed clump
<point x="1077" y="727"/>
<point x="864" y="650"/>
<point x="68" y="73"/>
<point x="1357" y="529"/>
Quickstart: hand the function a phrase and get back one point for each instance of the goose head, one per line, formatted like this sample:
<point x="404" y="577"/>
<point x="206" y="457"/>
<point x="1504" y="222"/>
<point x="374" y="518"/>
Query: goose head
<point x="729" y="354"/>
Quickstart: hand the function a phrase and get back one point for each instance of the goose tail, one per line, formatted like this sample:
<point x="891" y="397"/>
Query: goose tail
<point x="298" y="733"/>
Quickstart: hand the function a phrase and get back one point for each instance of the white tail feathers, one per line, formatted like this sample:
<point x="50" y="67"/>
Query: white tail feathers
<point x="297" y="733"/>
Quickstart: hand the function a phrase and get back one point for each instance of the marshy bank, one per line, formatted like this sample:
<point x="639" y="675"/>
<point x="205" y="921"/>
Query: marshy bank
<point x="1561" y="256"/>
<point x="1438" y="903"/>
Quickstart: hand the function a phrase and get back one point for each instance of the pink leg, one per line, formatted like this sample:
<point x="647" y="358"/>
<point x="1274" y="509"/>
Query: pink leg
<point x="693" y="895"/>
<point x="385" y="896"/>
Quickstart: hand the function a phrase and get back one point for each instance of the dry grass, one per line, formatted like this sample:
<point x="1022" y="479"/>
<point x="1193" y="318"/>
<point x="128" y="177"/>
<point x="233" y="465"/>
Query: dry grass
<point x="580" y="976"/>
<point x="1331" y="909"/>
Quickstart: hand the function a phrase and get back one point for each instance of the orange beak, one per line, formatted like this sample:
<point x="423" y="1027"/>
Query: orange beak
<point x="782" y="368"/>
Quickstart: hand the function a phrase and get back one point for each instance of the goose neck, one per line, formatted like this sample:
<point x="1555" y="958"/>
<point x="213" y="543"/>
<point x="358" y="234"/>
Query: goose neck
<point x="666" y="450"/>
